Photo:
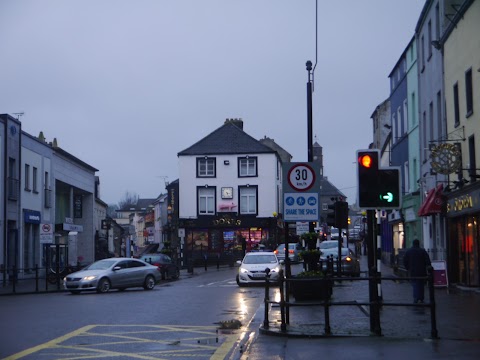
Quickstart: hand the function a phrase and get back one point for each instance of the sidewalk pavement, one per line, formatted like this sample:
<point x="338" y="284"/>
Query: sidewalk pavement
<point x="405" y="330"/>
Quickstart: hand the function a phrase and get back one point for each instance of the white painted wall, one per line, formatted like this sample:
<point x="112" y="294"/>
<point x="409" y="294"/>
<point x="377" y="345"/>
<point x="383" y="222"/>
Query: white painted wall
<point x="227" y="175"/>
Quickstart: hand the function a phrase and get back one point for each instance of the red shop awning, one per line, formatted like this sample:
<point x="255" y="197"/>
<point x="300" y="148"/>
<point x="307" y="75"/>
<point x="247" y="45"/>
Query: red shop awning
<point x="433" y="203"/>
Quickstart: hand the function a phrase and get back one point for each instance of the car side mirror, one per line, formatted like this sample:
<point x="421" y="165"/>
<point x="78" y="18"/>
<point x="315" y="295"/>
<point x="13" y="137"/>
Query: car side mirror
<point x="281" y="262"/>
<point x="115" y="268"/>
<point x="239" y="262"/>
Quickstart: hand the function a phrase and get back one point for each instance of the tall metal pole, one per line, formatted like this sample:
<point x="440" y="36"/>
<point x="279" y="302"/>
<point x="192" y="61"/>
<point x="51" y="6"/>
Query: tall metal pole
<point x="311" y="227"/>
<point x="309" y="111"/>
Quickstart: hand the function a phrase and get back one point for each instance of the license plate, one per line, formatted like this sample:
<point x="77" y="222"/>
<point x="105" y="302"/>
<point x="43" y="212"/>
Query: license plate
<point x="258" y="275"/>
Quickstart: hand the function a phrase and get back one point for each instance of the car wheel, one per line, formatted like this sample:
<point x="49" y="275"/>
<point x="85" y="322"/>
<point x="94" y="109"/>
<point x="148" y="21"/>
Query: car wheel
<point x="103" y="286"/>
<point x="149" y="283"/>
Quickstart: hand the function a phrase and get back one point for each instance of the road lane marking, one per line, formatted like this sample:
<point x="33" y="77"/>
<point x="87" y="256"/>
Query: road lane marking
<point x="135" y="342"/>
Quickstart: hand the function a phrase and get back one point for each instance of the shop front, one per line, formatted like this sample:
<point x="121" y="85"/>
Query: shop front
<point x="225" y="237"/>
<point x="463" y="213"/>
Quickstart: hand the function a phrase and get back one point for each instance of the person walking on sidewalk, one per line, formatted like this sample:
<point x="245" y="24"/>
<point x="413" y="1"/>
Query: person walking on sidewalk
<point x="416" y="261"/>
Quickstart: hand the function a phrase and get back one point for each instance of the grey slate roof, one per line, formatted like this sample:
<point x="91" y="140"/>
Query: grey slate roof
<point x="227" y="139"/>
<point x="328" y="189"/>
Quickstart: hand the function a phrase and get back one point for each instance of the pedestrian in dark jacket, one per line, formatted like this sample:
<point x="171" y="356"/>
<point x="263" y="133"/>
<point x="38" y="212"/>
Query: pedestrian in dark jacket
<point x="416" y="261"/>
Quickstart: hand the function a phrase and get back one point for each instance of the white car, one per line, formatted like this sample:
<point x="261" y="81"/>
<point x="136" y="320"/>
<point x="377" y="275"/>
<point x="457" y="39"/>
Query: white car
<point x="252" y="268"/>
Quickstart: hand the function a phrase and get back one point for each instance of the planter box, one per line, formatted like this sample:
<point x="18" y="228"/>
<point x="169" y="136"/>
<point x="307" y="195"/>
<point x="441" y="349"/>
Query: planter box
<point x="311" y="289"/>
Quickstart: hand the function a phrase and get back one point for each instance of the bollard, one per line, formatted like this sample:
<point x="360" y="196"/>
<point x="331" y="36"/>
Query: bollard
<point x="218" y="261"/>
<point x="205" y="261"/>
<point x="431" y="293"/>
<point x="36" y="277"/>
<point x="266" y="322"/>
<point x="190" y="266"/>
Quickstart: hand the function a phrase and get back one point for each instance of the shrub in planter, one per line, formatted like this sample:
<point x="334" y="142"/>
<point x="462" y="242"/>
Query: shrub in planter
<point x="311" y="285"/>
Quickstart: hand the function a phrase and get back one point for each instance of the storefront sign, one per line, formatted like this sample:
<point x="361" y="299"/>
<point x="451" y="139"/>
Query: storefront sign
<point x="72" y="227"/>
<point x="464" y="204"/>
<point x="32" y="217"/>
<point x="228" y="221"/>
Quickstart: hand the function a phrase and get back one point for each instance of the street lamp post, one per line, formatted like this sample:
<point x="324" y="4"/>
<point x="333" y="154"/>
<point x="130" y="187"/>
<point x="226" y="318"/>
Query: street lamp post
<point x="275" y="234"/>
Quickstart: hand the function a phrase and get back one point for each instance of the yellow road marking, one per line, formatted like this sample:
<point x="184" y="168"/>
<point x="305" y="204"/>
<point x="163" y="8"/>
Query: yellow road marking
<point x="49" y="344"/>
<point x="188" y="345"/>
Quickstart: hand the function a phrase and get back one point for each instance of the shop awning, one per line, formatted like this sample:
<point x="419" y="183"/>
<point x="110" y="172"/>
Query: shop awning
<point x="433" y="203"/>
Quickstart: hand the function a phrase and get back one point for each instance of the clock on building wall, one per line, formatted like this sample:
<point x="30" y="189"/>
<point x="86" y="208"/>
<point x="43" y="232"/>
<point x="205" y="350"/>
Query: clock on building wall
<point x="227" y="193"/>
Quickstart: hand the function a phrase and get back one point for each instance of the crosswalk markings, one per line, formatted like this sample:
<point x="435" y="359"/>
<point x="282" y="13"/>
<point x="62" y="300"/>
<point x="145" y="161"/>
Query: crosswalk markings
<point x="135" y="342"/>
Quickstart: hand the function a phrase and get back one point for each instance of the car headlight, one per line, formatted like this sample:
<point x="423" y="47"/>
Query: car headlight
<point x="275" y="269"/>
<point x="243" y="270"/>
<point x="88" y="278"/>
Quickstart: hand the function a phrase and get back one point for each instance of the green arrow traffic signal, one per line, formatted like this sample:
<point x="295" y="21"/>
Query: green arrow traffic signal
<point x="388" y="197"/>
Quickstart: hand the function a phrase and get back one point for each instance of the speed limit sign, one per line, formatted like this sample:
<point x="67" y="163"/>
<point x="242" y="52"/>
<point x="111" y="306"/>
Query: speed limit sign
<point x="301" y="177"/>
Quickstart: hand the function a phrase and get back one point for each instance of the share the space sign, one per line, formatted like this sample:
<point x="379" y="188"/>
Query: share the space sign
<point x="301" y="186"/>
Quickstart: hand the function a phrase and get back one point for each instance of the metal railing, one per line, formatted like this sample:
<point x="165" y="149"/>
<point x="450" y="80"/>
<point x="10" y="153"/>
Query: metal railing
<point x="375" y="302"/>
<point x="32" y="280"/>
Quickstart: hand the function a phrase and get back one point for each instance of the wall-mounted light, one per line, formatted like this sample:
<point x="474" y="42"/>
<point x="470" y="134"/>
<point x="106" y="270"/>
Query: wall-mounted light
<point x="206" y="157"/>
<point x="226" y="162"/>
<point x="246" y="157"/>
<point x="206" y="186"/>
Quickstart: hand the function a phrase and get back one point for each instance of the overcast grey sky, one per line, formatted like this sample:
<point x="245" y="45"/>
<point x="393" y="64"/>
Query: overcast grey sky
<point x="125" y="85"/>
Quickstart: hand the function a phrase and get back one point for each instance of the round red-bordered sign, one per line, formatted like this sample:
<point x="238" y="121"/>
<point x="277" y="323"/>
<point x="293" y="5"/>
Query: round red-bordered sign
<point x="46" y="228"/>
<point x="301" y="177"/>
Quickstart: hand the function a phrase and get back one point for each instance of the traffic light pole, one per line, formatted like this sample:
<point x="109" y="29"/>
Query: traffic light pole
<point x="373" y="274"/>
<point x="379" y="254"/>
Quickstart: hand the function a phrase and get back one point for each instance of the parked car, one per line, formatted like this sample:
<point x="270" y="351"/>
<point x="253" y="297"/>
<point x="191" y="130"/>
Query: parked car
<point x="252" y="268"/>
<point x="350" y="264"/>
<point x="168" y="268"/>
<point x="113" y="273"/>
<point x="294" y="250"/>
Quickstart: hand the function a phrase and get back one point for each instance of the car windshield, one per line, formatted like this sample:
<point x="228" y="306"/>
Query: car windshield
<point x="101" y="265"/>
<point x="328" y="244"/>
<point x="260" y="259"/>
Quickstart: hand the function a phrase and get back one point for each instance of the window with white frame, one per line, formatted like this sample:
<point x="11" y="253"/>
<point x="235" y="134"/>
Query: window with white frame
<point x="405" y="117"/>
<point x="248" y="199"/>
<point x="394" y="129"/>
<point x="35" y="180"/>
<point x="399" y="123"/>
<point x="406" y="175"/>
<point x="247" y="166"/>
<point x="206" y="200"/>
<point x="27" y="177"/>
<point x="206" y="167"/>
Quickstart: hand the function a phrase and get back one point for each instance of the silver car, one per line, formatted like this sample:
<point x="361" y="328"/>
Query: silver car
<point x="113" y="273"/>
<point x="294" y="250"/>
<point x="252" y="268"/>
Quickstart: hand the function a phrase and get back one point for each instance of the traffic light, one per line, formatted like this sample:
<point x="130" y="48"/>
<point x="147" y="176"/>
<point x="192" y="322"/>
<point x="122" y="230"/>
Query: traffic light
<point x="341" y="214"/>
<point x="331" y="215"/>
<point x="378" y="188"/>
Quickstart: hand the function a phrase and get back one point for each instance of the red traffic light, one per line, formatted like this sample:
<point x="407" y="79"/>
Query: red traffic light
<point x="365" y="161"/>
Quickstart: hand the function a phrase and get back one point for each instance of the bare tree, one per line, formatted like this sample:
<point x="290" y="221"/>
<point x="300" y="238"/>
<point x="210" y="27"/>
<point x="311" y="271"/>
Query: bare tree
<point x="111" y="210"/>
<point x="128" y="200"/>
